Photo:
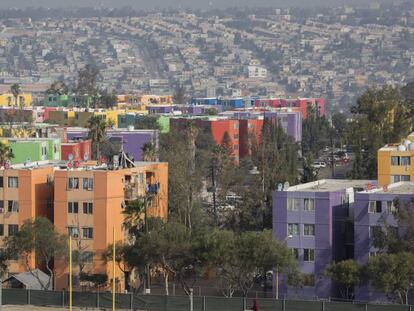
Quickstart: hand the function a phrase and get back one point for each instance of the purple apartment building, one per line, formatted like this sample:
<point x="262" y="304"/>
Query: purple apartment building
<point x="372" y="209"/>
<point x="132" y="140"/>
<point x="316" y="222"/>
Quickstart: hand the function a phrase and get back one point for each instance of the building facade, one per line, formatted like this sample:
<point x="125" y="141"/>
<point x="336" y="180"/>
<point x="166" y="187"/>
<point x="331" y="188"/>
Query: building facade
<point x="315" y="220"/>
<point x="89" y="204"/>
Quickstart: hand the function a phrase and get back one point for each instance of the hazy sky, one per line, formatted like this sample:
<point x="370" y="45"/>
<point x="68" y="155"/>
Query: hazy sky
<point x="145" y="4"/>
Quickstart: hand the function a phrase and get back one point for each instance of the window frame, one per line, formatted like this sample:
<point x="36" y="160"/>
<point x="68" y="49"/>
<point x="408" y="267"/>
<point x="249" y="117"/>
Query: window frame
<point x="71" y="185"/>
<point x="306" y="205"/>
<point x="72" y="206"/>
<point x="306" y="227"/>
<point x="10" y="184"/>
<point x="309" y="255"/>
<point x="294" y="225"/>
<point x="87" y="208"/>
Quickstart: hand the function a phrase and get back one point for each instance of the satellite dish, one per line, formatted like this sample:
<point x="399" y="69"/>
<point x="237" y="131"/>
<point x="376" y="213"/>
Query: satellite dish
<point x="70" y="165"/>
<point x="369" y="186"/>
<point x="385" y="188"/>
<point x="28" y="159"/>
<point x="76" y="164"/>
<point x="286" y="185"/>
<point x="86" y="156"/>
<point x="70" y="157"/>
<point x="279" y="187"/>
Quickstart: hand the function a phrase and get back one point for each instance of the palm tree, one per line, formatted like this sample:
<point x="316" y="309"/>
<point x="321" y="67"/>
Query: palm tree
<point x="133" y="213"/>
<point x="97" y="133"/>
<point x="149" y="153"/>
<point x="6" y="154"/>
<point x="15" y="90"/>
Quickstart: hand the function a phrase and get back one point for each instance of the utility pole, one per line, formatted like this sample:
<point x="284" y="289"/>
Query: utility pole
<point x="147" y="290"/>
<point x="333" y="157"/>
<point x="213" y="181"/>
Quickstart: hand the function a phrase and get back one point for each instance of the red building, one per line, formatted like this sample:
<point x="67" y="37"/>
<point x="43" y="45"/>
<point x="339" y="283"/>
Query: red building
<point x="79" y="149"/>
<point x="300" y="104"/>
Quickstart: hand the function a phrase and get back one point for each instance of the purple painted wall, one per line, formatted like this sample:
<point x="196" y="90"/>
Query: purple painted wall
<point x="133" y="141"/>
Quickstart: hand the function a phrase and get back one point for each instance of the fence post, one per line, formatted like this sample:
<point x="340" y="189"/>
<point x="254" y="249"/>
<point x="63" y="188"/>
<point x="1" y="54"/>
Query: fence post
<point x="191" y="300"/>
<point x="28" y="296"/>
<point x="97" y="299"/>
<point x="366" y="307"/>
<point x="131" y="305"/>
<point x="173" y="289"/>
<point x="199" y="291"/>
<point x="204" y="303"/>
<point x="283" y="304"/>
<point x="63" y="299"/>
<point x="323" y="305"/>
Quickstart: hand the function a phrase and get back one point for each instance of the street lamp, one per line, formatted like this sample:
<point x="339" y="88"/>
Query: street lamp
<point x="277" y="269"/>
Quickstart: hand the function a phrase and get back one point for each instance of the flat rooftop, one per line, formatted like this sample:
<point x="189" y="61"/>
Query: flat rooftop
<point x="403" y="187"/>
<point x="328" y="185"/>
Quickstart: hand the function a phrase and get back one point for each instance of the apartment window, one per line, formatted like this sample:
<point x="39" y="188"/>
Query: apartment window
<point x="12" y="206"/>
<point x="236" y="147"/>
<point x="308" y="280"/>
<point x="49" y="203"/>
<point x="391" y="207"/>
<point x="308" y="230"/>
<point x="87" y="257"/>
<point x="293" y="204"/>
<point x="405" y="161"/>
<point x="405" y="177"/>
<point x="1" y="206"/>
<point x="236" y="126"/>
<point x="293" y="229"/>
<point x="295" y="253"/>
<point x="13" y="182"/>
<point x="13" y="229"/>
<point x="88" y="233"/>
<point x="374" y="231"/>
<point x="87" y="208"/>
<point x="1" y="229"/>
<point x="73" y="183"/>
<point x="309" y="254"/>
<point x="1" y="181"/>
<point x="236" y="136"/>
<point x="73" y="207"/>
<point x="395" y="161"/>
<point x="88" y="183"/>
<point x="395" y="178"/>
<point x="73" y="232"/>
<point x="309" y="205"/>
<point x="374" y="207"/>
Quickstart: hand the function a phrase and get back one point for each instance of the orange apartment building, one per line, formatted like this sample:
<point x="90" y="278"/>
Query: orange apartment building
<point x="89" y="202"/>
<point x="26" y="191"/>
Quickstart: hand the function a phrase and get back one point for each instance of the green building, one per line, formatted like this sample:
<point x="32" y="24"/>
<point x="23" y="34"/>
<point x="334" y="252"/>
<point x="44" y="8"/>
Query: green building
<point x="55" y="100"/>
<point x="140" y="121"/>
<point x="34" y="149"/>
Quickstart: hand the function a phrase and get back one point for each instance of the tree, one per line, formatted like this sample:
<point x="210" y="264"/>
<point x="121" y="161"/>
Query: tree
<point x="86" y="83"/>
<point x="97" y="132"/>
<point x="6" y="153"/>
<point x="392" y="274"/>
<point x="315" y="134"/>
<point x="15" y="90"/>
<point x="340" y="124"/>
<point x="239" y="259"/>
<point x="380" y="117"/>
<point x="179" y="97"/>
<point x="58" y="88"/>
<point x="107" y="99"/>
<point x="346" y="274"/>
<point x="133" y="213"/>
<point x="149" y="152"/>
<point x="309" y="172"/>
<point x="276" y="156"/>
<point x="38" y="239"/>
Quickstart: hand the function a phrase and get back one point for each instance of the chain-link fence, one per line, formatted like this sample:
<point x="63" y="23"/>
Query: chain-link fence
<point x="178" y="303"/>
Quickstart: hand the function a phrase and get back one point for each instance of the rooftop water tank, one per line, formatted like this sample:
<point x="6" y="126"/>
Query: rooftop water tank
<point x="407" y="142"/>
<point x="401" y="148"/>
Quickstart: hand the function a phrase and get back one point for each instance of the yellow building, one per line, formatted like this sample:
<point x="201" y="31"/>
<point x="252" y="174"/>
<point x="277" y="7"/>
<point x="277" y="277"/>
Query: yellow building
<point x="8" y="100"/>
<point x="395" y="162"/>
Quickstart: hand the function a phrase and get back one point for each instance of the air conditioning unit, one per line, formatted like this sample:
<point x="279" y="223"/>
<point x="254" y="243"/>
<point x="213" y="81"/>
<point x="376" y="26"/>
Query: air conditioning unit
<point x="1" y="210"/>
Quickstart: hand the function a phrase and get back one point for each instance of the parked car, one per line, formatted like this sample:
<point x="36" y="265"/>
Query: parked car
<point x="319" y="164"/>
